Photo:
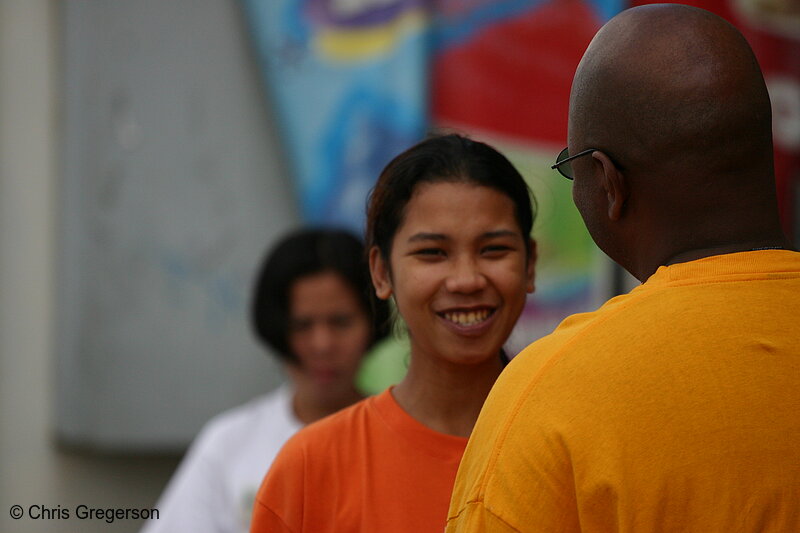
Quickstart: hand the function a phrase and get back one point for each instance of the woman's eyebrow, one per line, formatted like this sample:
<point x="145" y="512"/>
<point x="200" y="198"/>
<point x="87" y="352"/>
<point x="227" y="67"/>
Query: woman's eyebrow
<point x="499" y="233"/>
<point x="423" y="236"/>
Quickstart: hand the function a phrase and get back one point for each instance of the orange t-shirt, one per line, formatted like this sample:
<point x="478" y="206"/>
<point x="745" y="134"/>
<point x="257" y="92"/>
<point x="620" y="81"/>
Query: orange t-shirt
<point x="371" y="467"/>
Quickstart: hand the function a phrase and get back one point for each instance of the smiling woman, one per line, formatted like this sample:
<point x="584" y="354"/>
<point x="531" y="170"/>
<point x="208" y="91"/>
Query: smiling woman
<point x="459" y="282"/>
<point x="448" y="227"/>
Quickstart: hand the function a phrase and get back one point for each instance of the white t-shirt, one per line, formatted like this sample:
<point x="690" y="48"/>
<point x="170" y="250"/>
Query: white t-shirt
<point x="215" y="485"/>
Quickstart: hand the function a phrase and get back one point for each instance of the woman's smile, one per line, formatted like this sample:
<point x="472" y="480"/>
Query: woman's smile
<point x="469" y="323"/>
<point x="468" y="318"/>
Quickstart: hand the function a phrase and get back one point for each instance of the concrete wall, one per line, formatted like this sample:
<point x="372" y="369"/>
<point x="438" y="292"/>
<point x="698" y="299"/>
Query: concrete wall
<point x="171" y="185"/>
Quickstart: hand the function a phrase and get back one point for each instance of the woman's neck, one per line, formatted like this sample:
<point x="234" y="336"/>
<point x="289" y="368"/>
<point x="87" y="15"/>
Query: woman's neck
<point x="309" y="406"/>
<point x="444" y="396"/>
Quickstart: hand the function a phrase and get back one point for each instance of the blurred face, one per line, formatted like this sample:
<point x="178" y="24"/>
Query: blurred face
<point x="458" y="270"/>
<point x="328" y="331"/>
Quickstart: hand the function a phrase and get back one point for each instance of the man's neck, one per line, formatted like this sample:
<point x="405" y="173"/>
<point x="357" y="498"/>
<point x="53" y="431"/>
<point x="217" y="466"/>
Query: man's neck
<point x="693" y="254"/>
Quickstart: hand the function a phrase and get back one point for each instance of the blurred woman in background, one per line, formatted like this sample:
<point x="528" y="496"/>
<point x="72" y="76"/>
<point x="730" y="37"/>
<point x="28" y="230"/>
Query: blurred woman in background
<point x="311" y="306"/>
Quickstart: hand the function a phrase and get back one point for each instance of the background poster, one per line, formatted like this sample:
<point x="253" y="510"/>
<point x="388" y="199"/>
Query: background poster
<point x="348" y="81"/>
<point x="357" y="81"/>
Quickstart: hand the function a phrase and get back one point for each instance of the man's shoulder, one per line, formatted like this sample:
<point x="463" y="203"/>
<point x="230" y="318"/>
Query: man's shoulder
<point x="584" y="355"/>
<point x="655" y="330"/>
<point x="574" y="332"/>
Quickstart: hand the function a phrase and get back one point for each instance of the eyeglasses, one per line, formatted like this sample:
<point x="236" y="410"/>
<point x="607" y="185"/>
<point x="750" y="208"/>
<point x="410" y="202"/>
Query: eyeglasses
<point x="563" y="161"/>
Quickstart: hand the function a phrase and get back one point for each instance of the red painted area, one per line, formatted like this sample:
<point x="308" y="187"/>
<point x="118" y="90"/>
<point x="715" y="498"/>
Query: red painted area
<point x="514" y="77"/>
<point x="779" y="57"/>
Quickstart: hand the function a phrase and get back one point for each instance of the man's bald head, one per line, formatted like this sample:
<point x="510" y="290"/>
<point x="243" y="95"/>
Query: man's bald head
<point x="674" y="96"/>
<point x="670" y="81"/>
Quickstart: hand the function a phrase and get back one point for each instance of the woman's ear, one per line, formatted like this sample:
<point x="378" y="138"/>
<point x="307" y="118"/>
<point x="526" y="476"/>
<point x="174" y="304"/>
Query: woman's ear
<point x="530" y="266"/>
<point x="379" y="270"/>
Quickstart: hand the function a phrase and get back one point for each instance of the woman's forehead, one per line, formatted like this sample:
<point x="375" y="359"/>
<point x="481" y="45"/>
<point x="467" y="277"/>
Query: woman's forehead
<point x="447" y="209"/>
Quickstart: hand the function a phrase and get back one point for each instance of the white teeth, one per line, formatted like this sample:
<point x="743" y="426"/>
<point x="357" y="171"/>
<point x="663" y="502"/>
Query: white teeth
<point x="467" y="318"/>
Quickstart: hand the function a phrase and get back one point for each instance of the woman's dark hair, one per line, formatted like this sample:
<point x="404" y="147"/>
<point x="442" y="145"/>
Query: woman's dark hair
<point x="304" y="253"/>
<point x="445" y="158"/>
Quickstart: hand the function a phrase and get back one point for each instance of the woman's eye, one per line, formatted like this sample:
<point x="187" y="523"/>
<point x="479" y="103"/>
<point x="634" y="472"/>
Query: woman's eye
<point x="495" y="250"/>
<point x="300" y="325"/>
<point x="430" y="252"/>
<point x="341" y="321"/>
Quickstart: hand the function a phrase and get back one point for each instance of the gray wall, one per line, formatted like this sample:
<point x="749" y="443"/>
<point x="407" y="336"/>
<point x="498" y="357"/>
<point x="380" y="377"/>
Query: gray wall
<point x="172" y="185"/>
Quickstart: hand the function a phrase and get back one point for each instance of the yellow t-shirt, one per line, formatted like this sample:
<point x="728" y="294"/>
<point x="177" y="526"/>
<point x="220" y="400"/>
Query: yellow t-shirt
<point x="673" y="408"/>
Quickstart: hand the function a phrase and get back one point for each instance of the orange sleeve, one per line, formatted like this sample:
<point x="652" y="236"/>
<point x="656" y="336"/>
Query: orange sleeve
<point x="279" y="503"/>
<point x="265" y="520"/>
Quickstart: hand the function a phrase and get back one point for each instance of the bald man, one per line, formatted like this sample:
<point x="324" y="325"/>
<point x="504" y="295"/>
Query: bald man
<point x="675" y="407"/>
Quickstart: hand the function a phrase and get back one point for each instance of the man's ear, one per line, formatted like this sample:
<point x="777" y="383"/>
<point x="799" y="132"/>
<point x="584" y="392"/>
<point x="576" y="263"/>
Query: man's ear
<point x="530" y="267"/>
<point x="379" y="271"/>
<point x="614" y="184"/>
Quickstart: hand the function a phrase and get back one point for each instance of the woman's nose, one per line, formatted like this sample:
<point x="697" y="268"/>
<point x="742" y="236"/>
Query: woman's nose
<point x="322" y="339"/>
<point x="466" y="277"/>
